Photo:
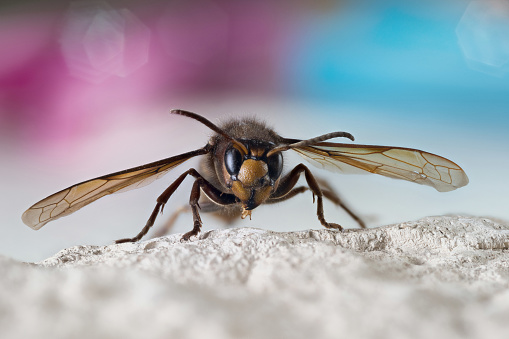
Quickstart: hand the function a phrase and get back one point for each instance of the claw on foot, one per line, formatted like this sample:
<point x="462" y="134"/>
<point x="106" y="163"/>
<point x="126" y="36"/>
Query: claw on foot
<point x="335" y="226"/>
<point x="194" y="231"/>
<point x="121" y="241"/>
<point x="186" y="237"/>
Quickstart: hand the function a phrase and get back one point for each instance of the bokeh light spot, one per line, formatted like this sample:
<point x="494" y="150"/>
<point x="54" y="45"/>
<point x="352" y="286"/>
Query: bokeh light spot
<point x="99" y="41"/>
<point x="483" y="35"/>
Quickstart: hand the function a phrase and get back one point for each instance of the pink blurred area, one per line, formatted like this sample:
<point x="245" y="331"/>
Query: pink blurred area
<point x="62" y="71"/>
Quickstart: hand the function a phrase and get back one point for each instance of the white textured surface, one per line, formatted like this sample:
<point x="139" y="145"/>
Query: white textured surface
<point x="439" y="277"/>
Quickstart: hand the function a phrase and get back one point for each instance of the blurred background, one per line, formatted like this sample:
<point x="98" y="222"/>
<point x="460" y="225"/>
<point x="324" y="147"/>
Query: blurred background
<point x="86" y="87"/>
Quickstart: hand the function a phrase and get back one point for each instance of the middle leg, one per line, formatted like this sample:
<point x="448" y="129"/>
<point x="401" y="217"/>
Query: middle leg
<point x="327" y="192"/>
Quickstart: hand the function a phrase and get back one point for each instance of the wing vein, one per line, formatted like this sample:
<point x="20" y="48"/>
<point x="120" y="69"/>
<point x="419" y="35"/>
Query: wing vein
<point x="395" y="162"/>
<point x="82" y="194"/>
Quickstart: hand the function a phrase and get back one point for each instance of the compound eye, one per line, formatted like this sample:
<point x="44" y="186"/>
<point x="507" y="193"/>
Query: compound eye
<point x="275" y="164"/>
<point x="233" y="161"/>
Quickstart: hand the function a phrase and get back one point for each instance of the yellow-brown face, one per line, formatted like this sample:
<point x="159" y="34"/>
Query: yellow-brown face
<point x="252" y="177"/>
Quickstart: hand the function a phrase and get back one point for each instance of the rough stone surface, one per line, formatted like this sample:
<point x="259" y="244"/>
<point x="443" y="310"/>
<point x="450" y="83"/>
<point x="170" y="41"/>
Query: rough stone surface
<point x="438" y="277"/>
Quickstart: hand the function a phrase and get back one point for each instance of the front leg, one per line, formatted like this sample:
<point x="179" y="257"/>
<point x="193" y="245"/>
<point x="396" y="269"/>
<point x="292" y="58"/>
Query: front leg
<point x="206" y="206"/>
<point x="288" y="183"/>
<point x="213" y="193"/>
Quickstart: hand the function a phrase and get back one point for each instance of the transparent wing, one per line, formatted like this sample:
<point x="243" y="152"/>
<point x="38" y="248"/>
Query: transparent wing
<point x="77" y="196"/>
<point x="394" y="162"/>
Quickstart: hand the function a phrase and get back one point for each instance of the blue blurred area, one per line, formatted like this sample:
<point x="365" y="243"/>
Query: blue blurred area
<point x="399" y="55"/>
